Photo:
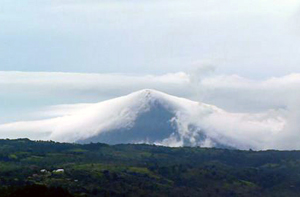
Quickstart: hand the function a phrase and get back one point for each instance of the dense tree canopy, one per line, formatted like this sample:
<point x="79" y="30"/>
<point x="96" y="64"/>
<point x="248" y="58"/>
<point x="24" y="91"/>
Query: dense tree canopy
<point x="29" y="168"/>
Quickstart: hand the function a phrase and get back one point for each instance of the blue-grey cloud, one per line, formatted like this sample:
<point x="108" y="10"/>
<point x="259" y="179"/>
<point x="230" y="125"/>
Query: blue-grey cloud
<point x="268" y="100"/>
<point x="149" y="36"/>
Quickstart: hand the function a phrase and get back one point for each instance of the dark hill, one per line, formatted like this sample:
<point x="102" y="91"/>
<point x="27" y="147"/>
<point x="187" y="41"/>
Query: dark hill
<point x="28" y="167"/>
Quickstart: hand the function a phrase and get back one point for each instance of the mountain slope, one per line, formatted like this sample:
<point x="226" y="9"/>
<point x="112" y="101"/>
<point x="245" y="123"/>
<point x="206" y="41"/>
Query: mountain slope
<point x="146" y="116"/>
<point x="149" y="116"/>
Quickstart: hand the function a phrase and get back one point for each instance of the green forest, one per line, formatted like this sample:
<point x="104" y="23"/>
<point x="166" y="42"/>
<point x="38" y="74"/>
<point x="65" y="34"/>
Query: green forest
<point x="47" y="168"/>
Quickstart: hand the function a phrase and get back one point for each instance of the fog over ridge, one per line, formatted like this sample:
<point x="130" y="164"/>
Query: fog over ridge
<point x="263" y="113"/>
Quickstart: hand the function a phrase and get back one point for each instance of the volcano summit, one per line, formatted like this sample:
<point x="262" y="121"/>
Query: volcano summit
<point x="150" y="116"/>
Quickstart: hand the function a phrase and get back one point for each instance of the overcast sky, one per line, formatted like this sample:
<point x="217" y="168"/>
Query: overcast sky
<point x="252" y="38"/>
<point x="242" y="56"/>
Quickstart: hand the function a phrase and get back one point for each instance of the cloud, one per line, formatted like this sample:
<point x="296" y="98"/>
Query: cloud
<point x="255" y="106"/>
<point x="149" y="36"/>
<point x="255" y="39"/>
<point x="241" y="94"/>
<point x="193" y="120"/>
<point x="23" y="92"/>
<point x="231" y="92"/>
<point x="108" y="85"/>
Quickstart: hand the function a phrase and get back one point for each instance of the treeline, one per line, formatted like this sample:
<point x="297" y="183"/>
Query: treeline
<point x="29" y="168"/>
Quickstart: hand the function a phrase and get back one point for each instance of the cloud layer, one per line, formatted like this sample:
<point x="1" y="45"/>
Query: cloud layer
<point x="155" y="36"/>
<point x="153" y="117"/>
<point x="273" y="99"/>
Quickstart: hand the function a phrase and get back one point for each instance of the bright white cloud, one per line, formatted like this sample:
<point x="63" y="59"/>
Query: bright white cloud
<point x="104" y="86"/>
<point x="192" y="119"/>
<point x="264" y="112"/>
<point x="257" y="39"/>
<point x="231" y="92"/>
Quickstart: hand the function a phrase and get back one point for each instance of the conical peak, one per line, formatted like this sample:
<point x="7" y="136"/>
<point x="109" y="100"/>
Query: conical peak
<point x="154" y="98"/>
<point x="149" y="94"/>
<point x="148" y="98"/>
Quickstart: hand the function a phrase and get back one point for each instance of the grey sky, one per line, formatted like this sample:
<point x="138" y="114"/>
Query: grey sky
<point x="240" y="55"/>
<point x="266" y="112"/>
<point x="252" y="38"/>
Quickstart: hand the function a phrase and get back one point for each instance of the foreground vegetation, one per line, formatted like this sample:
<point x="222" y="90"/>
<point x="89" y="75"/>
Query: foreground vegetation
<point x="29" y="168"/>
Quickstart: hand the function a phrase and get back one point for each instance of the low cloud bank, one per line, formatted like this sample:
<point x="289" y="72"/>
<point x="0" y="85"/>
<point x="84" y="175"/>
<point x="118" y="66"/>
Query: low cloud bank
<point x="275" y="99"/>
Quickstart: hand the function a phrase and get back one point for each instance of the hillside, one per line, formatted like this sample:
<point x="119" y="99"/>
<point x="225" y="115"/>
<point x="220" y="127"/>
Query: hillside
<point x="62" y="169"/>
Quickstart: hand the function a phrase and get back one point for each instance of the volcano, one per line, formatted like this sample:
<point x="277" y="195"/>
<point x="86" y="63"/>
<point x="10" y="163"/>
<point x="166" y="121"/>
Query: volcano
<point x="152" y="117"/>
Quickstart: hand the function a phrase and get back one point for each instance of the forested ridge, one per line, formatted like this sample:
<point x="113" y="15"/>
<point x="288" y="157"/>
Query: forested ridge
<point x="40" y="168"/>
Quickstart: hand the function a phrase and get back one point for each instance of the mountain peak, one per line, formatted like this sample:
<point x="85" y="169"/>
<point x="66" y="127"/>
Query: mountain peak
<point x="148" y="97"/>
<point x="148" y="93"/>
<point x="153" y="96"/>
<point x="145" y="116"/>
